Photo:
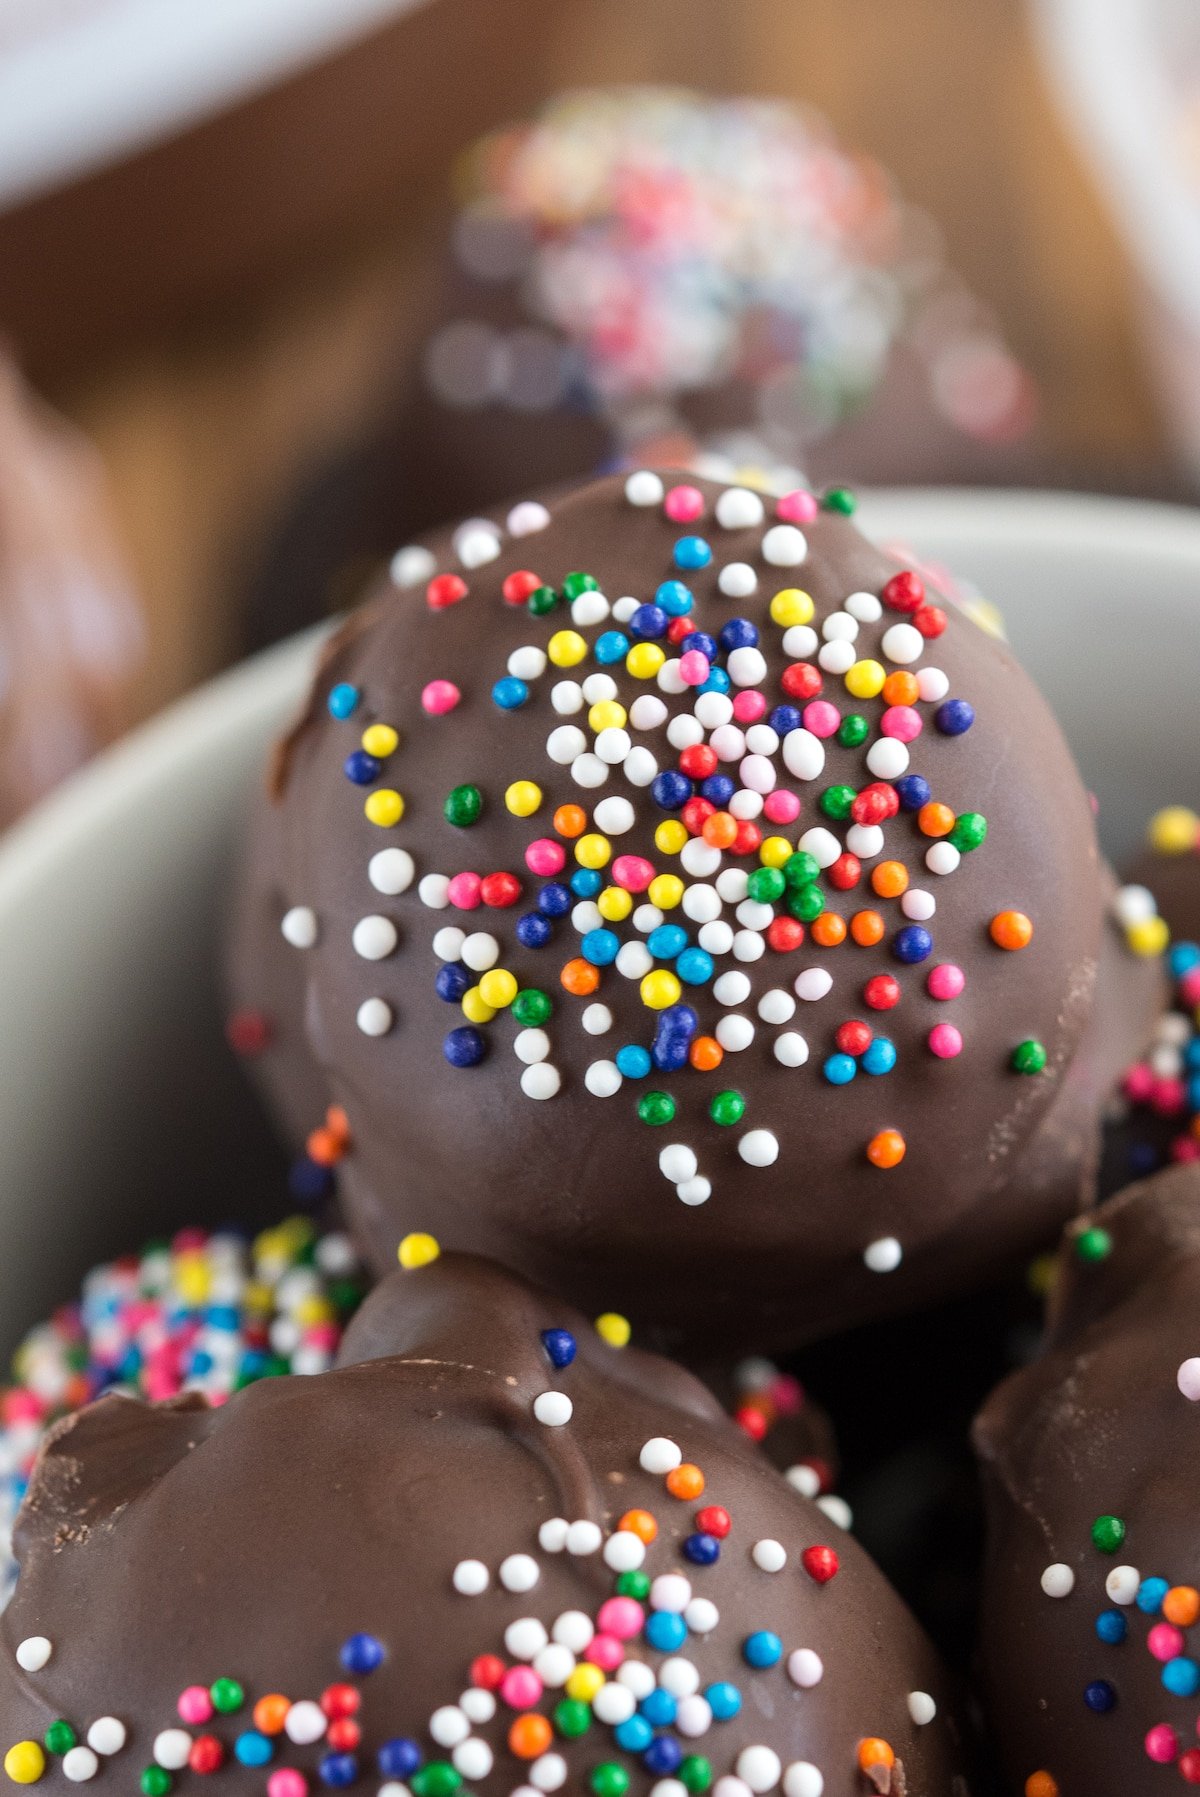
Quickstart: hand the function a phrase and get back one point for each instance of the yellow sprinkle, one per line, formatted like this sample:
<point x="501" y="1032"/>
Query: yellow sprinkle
<point x="475" y="1007"/>
<point x="660" y="989"/>
<point x="614" y="903"/>
<point x="380" y="740"/>
<point x="1041" y="1275"/>
<point x="1175" y="830"/>
<point x="644" y="660"/>
<point x="791" y="606"/>
<point x="1149" y="937"/>
<point x="313" y="1310"/>
<point x="498" y="988"/>
<point x="259" y="1296"/>
<point x="193" y="1281"/>
<point x="606" y="714"/>
<point x="384" y="808"/>
<point x="865" y="680"/>
<point x="775" y="851"/>
<point x="593" y="851"/>
<point x="584" y="1682"/>
<point x="665" y="891"/>
<point x="670" y="836"/>
<point x="566" y="648"/>
<point x="614" y="1329"/>
<point x="418" y="1249"/>
<point x="523" y="797"/>
<point x="26" y="1762"/>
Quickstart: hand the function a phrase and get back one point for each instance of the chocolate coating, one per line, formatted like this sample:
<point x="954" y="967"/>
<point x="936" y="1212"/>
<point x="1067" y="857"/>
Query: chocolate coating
<point x="570" y="1190"/>
<point x="1098" y="1427"/>
<point x="164" y="1548"/>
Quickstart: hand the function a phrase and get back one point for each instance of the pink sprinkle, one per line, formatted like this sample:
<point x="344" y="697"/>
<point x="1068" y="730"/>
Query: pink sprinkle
<point x="748" y="706"/>
<point x="185" y="1240"/>
<point x="439" y="697"/>
<point x="464" y="890"/>
<point x="632" y="872"/>
<point x="693" y="667"/>
<point x="797" y="507"/>
<point x="945" y="981"/>
<point x="22" y="1407"/>
<point x="286" y="1781"/>
<point x="521" y="1688"/>
<point x="902" y="722"/>
<point x="1185" y="1149"/>
<point x="821" y="717"/>
<point x="945" y="1041"/>
<point x="1165" y="1642"/>
<point x="1162" y="1743"/>
<point x="787" y="1394"/>
<point x="620" y="1616"/>
<point x="682" y="504"/>
<point x="322" y="1335"/>
<point x="781" y="806"/>
<point x="1169" y="1097"/>
<point x="1189" y="987"/>
<point x="606" y="1652"/>
<point x="195" y="1705"/>
<point x="545" y="856"/>
<point x="1138" y="1083"/>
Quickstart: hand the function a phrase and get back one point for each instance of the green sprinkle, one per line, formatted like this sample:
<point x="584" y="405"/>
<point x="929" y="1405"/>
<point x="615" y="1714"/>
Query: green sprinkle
<point x="1028" y="1056"/>
<point x="1108" y="1532"/>
<point x="656" y="1107"/>
<point x="633" y="1584"/>
<point x="575" y="585"/>
<point x="836" y="801"/>
<point x="801" y="869"/>
<point x="60" y="1737"/>
<point x="155" y="1781"/>
<point x="727" y="1107"/>
<point x="463" y="806"/>
<point x="609" y="1780"/>
<point x="227" y="1696"/>
<point x="532" y="1007"/>
<point x="765" y="885"/>
<point x="695" y="1772"/>
<point x="853" y="731"/>
<point x="970" y="829"/>
<point x="438" y="1779"/>
<point x="807" y="903"/>
<point x="572" y="1718"/>
<point x="1093" y="1244"/>
<point x="539" y="602"/>
<point x="839" y="499"/>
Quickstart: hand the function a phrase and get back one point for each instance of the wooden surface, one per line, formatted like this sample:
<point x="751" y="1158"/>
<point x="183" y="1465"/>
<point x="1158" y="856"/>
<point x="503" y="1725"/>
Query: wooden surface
<point x="205" y="421"/>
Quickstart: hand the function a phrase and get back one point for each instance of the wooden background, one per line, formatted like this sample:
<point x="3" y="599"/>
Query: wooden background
<point x="205" y="414"/>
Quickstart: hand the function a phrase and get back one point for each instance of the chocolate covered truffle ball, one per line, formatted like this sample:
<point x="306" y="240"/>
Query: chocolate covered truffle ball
<point x="1090" y="1640"/>
<point x="689" y="910"/>
<point x="490" y="1552"/>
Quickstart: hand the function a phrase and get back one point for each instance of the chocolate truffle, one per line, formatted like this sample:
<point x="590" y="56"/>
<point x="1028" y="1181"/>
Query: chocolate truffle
<point x="1091" y="1457"/>
<point x="488" y="1552"/>
<point x="688" y="910"/>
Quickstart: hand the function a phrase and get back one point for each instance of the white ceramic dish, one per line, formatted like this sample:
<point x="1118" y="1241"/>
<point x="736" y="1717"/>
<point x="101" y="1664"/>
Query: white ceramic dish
<point x="121" y="1111"/>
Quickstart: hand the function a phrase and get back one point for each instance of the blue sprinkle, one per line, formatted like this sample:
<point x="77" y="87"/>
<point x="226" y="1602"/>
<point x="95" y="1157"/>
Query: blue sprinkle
<point x="510" y="693"/>
<point x="665" y="1631"/>
<point x="1191" y="1055"/>
<point x="663" y="1755"/>
<point x="343" y="699"/>
<point x="1100" y="1696"/>
<point x="534" y="930"/>
<point x="601" y="947"/>
<point x="762" y="1649"/>
<point x="308" y="1182"/>
<point x="648" y="623"/>
<point x="361" y="767"/>
<point x="223" y="1316"/>
<point x="338" y="1768"/>
<point x="701" y="1550"/>
<point x="718" y="789"/>
<point x="1150" y="1595"/>
<point x="610" y="646"/>
<point x="399" y="1758"/>
<point x="1183" y="956"/>
<point x="201" y="1362"/>
<point x="634" y="1735"/>
<point x="659" y="1708"/>
<point x="955" y="717"/>
<point x="695" y="967"/>
<point x="1181" y="1677"/>
<point x="692" y="552"/>
<point x="554" y="899"/>
<point x="453" y="981"/>
<point x="784" y="718"/>
<point x="1193" y="1092"/>
<point x="667" y="941"/>
<point x="464" y="1047"/>
<point x="633" y="1061"/>
<point x="675" y="599"/>
<point x="700" y="640"/>
<point x="586" y="882"/>
<point x="880" y="1056"/>
<point x="362" y="1653"/>
<point x="724" y="1700"/>
<point x="912" y="944"/>
<point x="252" y="1365"/>
<point x="912" y="791"/>
<point x="840" y="1069"/>
<point x="739" y="633"/>
<point x="671" y="790"/>
<point x="559" y="1345"/>
<point x="252" y="1748"/>
<point x="1143" y="1157"/>
<point x="718" y="682"/>
<point x="1111" y="1626"/>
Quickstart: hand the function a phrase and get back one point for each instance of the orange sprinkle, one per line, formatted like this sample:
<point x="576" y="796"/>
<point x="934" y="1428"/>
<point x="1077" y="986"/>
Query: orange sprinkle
<point x="530" y="1735"/>
<point x="866" y="927"/>
<point x="270" y="1713"/>
<point x="828" y="930"/>
<point x="1040" y="1784"/>
<point x="338" y="1124"/>
<point x="580" y="977"/>
<point x="324" y="1147"/>
<point x="901" y="688"/>
<point x="685" y="1482"/>
<point x="719" y="830"/>
<point x="639" y="1523"/>
<point x="889" y="879"/>
<point x="1181" y="1606"/>
<point x="570" y="820"/>
<point x="874" y="1752"/>
<point x="935" y="820"/>
<point x="887" y="1149"/>
<point x="706" y="1053"/>
<point x="1011" y="929"/>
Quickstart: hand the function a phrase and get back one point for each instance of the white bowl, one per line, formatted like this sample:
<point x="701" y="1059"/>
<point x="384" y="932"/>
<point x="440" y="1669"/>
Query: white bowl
<point x="122" y="1113"/>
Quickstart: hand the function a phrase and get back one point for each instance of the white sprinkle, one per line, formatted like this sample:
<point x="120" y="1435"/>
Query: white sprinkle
<point x="1134" y="904"/>
<point x="1123" y="1584"/>
<point x="836" y="1509"/>
<point x="679" y="1676"/>
<point x="519" y="1572"/>
<point x="776" y="1006"/>
<point x="299" y="926"/>
<point x="603" y="1079"/>
<point x="589" y="609"/>
<point x="802" y="1779"/>
<point x="812" y="984"/>
<point x="677" y="1162"/>
<point x="903" y="643"/>
<point x="434" y="891"/>
<point x="374" y="1017"/>
<point x="597" y="1020"/>
<point x="761" y="739"/>
<point x="800" y="642"/>
<point x="918" y="904"/>
<point x="749" y="945"/>
<point x="598" y="688"/>
<point x="701" y="903"/>
<point x="613" y="745"/>
<point x="374" y="937"/>
<point x="33" y="1653"/>
<point x="553" y="1408"/>
<point x="803" y="1479"/>
<point x="805" y="1668"/>
<point x="643" y="488"/>
<point x="411" y="565"/>
<point x="932" y="685"/>
<point x="760" y="1767"/>
<point x="624" y="1551"/>
<point x="921" y="1708"/>
<point x="685" y="730"/>
<point x="887" y="758"/>
<point x="80" y="1764"/>
<point x="699" y="858"/>
<point x="554" y="1665"/>
<point x="732" y="988"/>
<point x="565" y="743"/>
<point x="634" y="960"/>
<point x="840" y="626"/>
<point x="573" y="1629"/>
<point x="589" y="771"/>
<point x="669" y="679"/>
<point x="527" y="518"/>
<point x="614" y="816"/>
<point x="727" y="742"/>
<point x="701" y="1615"/>
<point x="566" y="696"/>
<point x="768" y="1555"/>
<point x="759" y="1148"/>
<point x="584" y="1537"/>
<point x="531" y="1046"/>
<point x="837" y="657"/>
<point x="448" y="943"/>
<point x="660" y="1455"/>
<point x="865" y="841"/>
<point x="624" y="608"/>
<point x="107" y="1733"/>
<point x="791" y="1050"/>
<point x="745" y="803"/>
<point x="865" y="607"/>
<point x="647" y="712"/>
<point x="738" y="508"/>
<point x="171" y="1748"/>
<point x="737" y="580"/>
<point x="733" y="884"/>
<point x="478" y="1704"/>
<point x="670" y="1590"/>
<point x="587" y="915"/>
<point x="639" y="766"/>
<point x="784" y="546"/>
<point x="473" y="1758"/>
<point x="942" y="858"/>
<point x="527" y="663"/>
<point x="1188" y="1378"/>
<point x="552" y="1536"/>
<point x="736" y="1033"/>
<point x="716" y="938"/>
<point x="391" y="871"/>
<point x="822" y="845"/>
<point x="304" y="1723"/>
<point x="613" y="1704"/>
<point x="757" y="773"/>
<point x="746" y="666"/>
<point x="883" y="1256"/>
<point x="637" y="1677"/>
<point x="548" y="1772"/>
<point x="754" y="915"/>
<point x="476" y="543"/>
<point x="480" y="951"/>
<point x="525" y="1638"/>
<point x="449" y="1726"/>
<point x="470" y="1577"/>
<point x="694" y="1191"/>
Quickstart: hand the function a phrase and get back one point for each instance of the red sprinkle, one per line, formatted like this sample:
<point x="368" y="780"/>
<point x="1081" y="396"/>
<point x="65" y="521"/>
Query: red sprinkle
<point x="207" y="1754"/>
<point x="714" y="1519"/>
<point x="875" y="803"/>
<point x="882" y="992"/>
<point x="487" y="1670"/>
<point x="444" y="590"/>
<point x="820" y="1563"/>
<point x="340" y="1700"/>
<point x="930" y="620"/>
<point x="752" y="1421"/>
<point x="785" y="934"/>
<point x="904" y="591"/>
<point x="801" y="680"/>
<point x="500" y="890"/>
<point x="845" y="873"/>
<point x="853" y="1037"/>
<point x="247" y="1032"/>
<point x="518" y="585"/>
